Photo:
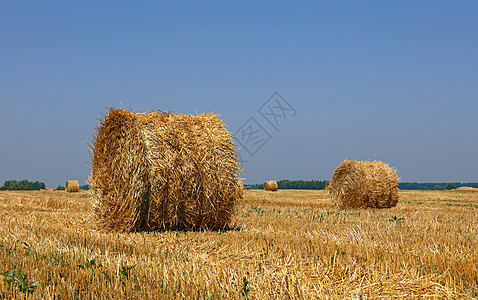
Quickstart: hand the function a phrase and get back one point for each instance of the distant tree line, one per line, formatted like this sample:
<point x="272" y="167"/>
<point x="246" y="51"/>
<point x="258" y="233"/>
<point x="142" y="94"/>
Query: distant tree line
<point x="320" y="185"/>
<point x="22" y="185"/>
<point x="25" y="185"/>
<point x="302" y="184"/>
<point x="294" y="185"/>
<point x="14" y="185"/>
<point x="434" y="186"/>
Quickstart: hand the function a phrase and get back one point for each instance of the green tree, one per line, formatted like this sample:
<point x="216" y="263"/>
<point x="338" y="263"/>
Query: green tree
<point x="450" y="186"/>
<point x="15" y="185"/>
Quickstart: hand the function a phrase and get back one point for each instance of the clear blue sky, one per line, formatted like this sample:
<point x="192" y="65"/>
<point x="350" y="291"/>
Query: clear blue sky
<point x="389" y="80"/>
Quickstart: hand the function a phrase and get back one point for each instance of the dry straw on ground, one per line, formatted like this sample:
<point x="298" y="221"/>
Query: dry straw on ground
<point x="271" y="185"/>
<point x="364" y="184"/>
<point x="160" y="171"/>
<point x="72" y="186"/>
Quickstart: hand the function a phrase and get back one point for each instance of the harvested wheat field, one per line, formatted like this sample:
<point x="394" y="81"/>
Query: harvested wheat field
<point x="284" y="245"/>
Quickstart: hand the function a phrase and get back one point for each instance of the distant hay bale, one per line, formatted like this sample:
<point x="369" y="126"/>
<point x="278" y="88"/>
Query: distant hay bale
<point x="163" y="171"/>
<point x="240" y="189"/>
<point x="363" y="184"/>
<point x="72" y="186"/>
<point x="49" y="189"/>
<point x="466" y="188"/>
<point x="271" y="185"/>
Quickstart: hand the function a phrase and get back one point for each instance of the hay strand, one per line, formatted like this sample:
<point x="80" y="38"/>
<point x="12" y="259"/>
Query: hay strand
<point x="162" y="171"/>
<point x="362" y="184"/>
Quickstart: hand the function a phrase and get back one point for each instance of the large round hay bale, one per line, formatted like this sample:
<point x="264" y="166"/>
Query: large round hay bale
<point x="271" y="185"/>
<point x="363" y="184"/>
<point x="161" y="171"/>
<point x="240" y="189"/>
<point x="72" y="186"/>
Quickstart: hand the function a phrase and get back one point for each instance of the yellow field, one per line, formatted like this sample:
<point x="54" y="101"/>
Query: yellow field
<point x="284" y="245"/>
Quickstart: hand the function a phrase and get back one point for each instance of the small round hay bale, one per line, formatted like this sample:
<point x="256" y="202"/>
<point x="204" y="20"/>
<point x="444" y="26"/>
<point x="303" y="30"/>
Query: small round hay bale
<point x="271" y="185"/>
<point x="363" y="184"/>
<point x="72" y="186"/>
<point x="162" y="171"/>
<point x="466" y="188"/>
<point x="240" y="189"/>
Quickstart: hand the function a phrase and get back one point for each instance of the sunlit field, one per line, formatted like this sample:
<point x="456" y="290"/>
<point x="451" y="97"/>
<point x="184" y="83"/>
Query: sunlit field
<point x="287" y="244"/>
